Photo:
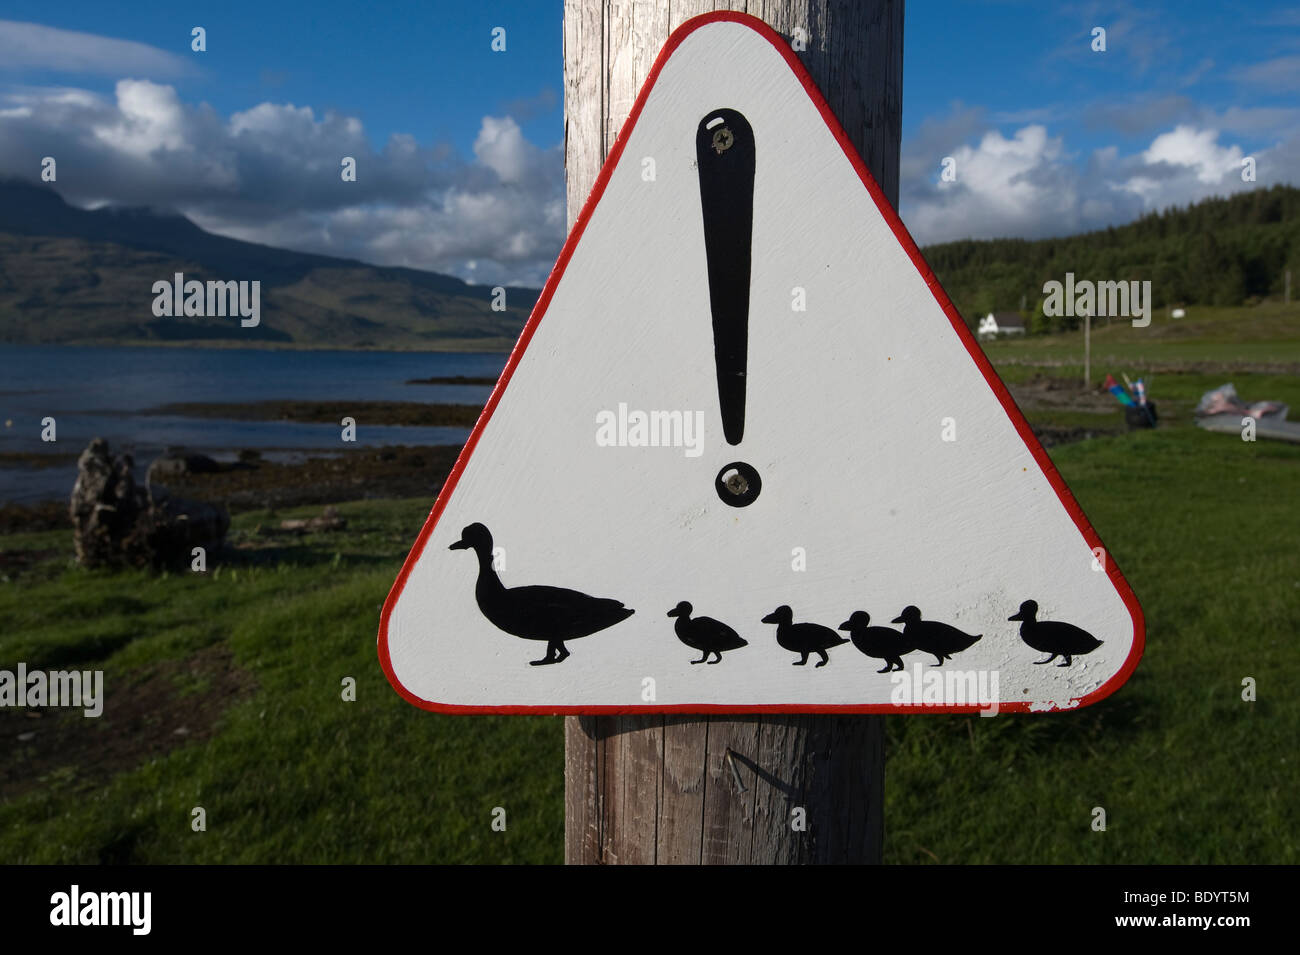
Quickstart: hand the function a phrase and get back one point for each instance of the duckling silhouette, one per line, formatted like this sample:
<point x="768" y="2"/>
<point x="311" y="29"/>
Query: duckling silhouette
<point x="552" y="614"/>
<point x="705" y="634"/>
<point x="879" y="642"/>
<point x="1052" y="636"/>
<point x="803" y="638"/>
<point x="930" y="636"/>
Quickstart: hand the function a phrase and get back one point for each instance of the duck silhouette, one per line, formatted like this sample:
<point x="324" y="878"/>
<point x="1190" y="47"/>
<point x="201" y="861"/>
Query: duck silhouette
<point x="1052" y="636"/>
<point x="803" y="638"/>
<point x="879" y="642"/>
<point x="552" y="614"/>
<point x="705" y="634"/>
<point x="930" y="636"/>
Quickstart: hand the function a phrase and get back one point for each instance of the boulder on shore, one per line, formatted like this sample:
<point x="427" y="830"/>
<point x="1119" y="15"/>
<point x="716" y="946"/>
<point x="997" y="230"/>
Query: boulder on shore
<point x="118" y="523"/>
<point x="178" y="464"/>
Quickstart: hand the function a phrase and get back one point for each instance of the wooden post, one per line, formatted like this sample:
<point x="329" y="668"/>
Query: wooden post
<point x="1087" y="350"/>
<point x="706" y="790"/>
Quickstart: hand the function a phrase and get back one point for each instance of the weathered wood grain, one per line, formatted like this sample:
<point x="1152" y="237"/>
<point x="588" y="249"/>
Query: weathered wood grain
<point x="660" y="789"/>
<point x="680" y="809"/>
<point x="728" y="810"/>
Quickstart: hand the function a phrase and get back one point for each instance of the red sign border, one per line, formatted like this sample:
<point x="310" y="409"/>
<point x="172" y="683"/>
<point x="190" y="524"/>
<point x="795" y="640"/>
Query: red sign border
<point x="968" y="339"/>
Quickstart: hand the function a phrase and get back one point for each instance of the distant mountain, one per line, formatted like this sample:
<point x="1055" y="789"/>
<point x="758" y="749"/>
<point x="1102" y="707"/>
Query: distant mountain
<point x="69" y="275"/>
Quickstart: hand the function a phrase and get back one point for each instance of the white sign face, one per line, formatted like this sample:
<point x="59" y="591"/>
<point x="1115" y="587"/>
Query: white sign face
<point x="746" y="456"/>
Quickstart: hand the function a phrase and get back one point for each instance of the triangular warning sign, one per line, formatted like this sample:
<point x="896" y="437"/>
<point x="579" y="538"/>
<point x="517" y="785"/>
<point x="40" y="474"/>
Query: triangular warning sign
<point x="746" y="456"/>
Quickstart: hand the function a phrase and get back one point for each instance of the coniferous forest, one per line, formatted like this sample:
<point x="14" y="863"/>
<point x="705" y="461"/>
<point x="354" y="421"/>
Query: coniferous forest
<point x="1221" y="251"/>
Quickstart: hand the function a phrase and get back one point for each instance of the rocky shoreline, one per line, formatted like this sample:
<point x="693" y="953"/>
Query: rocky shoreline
<point x="417" y="413"/>
<point x="451" y="380"/>
<point x="328" y="477"/>
<point x="257" y="484"/>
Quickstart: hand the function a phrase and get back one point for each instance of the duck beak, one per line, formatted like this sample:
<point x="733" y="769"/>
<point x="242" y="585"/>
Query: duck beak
<point x="897" y="620"/>
<point x="459" y="545"/>
<point x="1015" y="617"/>
<point x="843" y="626"/>
<point x="673" y="612"/>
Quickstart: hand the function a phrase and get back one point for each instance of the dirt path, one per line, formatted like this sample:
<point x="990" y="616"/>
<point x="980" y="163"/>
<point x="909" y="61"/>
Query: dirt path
<point x="148" y="714"/>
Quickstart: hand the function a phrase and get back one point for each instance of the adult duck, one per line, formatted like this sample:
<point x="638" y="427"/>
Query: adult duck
<point x="941" y="640"/>
<point x="705" y="634"/>
<point x="1056" y="637"/>
<point x="553" y="614"/>
<point x="803" y="638"/>
<point x="878" y="642"/>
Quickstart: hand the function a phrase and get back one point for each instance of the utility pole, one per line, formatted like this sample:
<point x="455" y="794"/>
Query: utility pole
<point x="703" y="789"/>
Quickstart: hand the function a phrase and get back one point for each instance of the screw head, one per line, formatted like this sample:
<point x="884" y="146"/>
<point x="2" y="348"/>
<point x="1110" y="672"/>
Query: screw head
<point x="738" y="484"/>
<point x="723" y="138"/>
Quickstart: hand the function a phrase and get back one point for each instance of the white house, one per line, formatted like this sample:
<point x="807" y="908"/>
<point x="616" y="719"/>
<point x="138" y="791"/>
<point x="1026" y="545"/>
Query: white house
<point x="1000" y="323"/>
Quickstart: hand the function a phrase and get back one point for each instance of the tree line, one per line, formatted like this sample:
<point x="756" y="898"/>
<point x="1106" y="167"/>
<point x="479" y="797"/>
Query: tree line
<point x="1220" y="251"/>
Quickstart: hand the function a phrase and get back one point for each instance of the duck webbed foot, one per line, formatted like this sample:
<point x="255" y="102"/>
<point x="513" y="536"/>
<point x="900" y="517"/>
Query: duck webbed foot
<point x="1048" y="660"/>
<point x="824" y="658"/>
<point x="1066" y="663"/>
<point x="555" y="653"/>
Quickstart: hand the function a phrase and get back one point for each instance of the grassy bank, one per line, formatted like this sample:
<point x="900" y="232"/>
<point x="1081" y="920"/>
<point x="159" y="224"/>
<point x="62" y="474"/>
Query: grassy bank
<point x="1186" y="771"/>
<point x="1209" y="339"/>
<point x="288" y="771"/>
<point x="291" y="772"/>
<point x="225" y="689"/>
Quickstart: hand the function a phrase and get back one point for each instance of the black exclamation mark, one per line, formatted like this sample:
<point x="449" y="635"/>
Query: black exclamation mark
<point x="724" y="152"/>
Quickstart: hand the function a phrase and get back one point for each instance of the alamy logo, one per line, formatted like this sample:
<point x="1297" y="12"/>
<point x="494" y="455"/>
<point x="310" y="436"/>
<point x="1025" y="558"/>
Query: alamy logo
<point x="1098" y="299"/>
<point x="651" y="429"/>
<point x="924" y="687"/>
<point x="75" y="688"/>
<point x="75" y="907"/>
<point x="195" y="299"/>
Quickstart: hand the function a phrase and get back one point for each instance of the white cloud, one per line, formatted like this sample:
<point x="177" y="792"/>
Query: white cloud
<point x="1003" y="187"/>
<point x="1030" y="185"/>
<point x="149" y="117"/>
<point x="270" y="174"/>
<point x="33" y="46"/>
<point x="1197" y="150"/>
<point x="502" y="148"/>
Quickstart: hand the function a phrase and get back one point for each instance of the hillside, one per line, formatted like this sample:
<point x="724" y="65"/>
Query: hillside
<point x="1217" y="252"/>
<point x="74" y="276"/>
<point x="69" y="275"/>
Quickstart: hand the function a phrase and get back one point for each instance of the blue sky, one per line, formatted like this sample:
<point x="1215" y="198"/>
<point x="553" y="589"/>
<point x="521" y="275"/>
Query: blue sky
<point x="423" y="68"/>
<point x="1049" y="136"/>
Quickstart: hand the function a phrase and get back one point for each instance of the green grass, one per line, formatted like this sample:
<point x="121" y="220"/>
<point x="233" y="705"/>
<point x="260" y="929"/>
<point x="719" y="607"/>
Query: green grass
<point x="1203" y="526"/>
<point x="1245" y="335"/>
<point x="1070" y="418"/>
<point x="1186" y="771"/>
<point x="295" y="774"/>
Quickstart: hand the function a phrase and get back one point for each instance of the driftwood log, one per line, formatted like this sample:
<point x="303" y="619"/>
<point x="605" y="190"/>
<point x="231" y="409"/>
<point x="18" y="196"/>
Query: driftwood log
<point x="117" y="523"/>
